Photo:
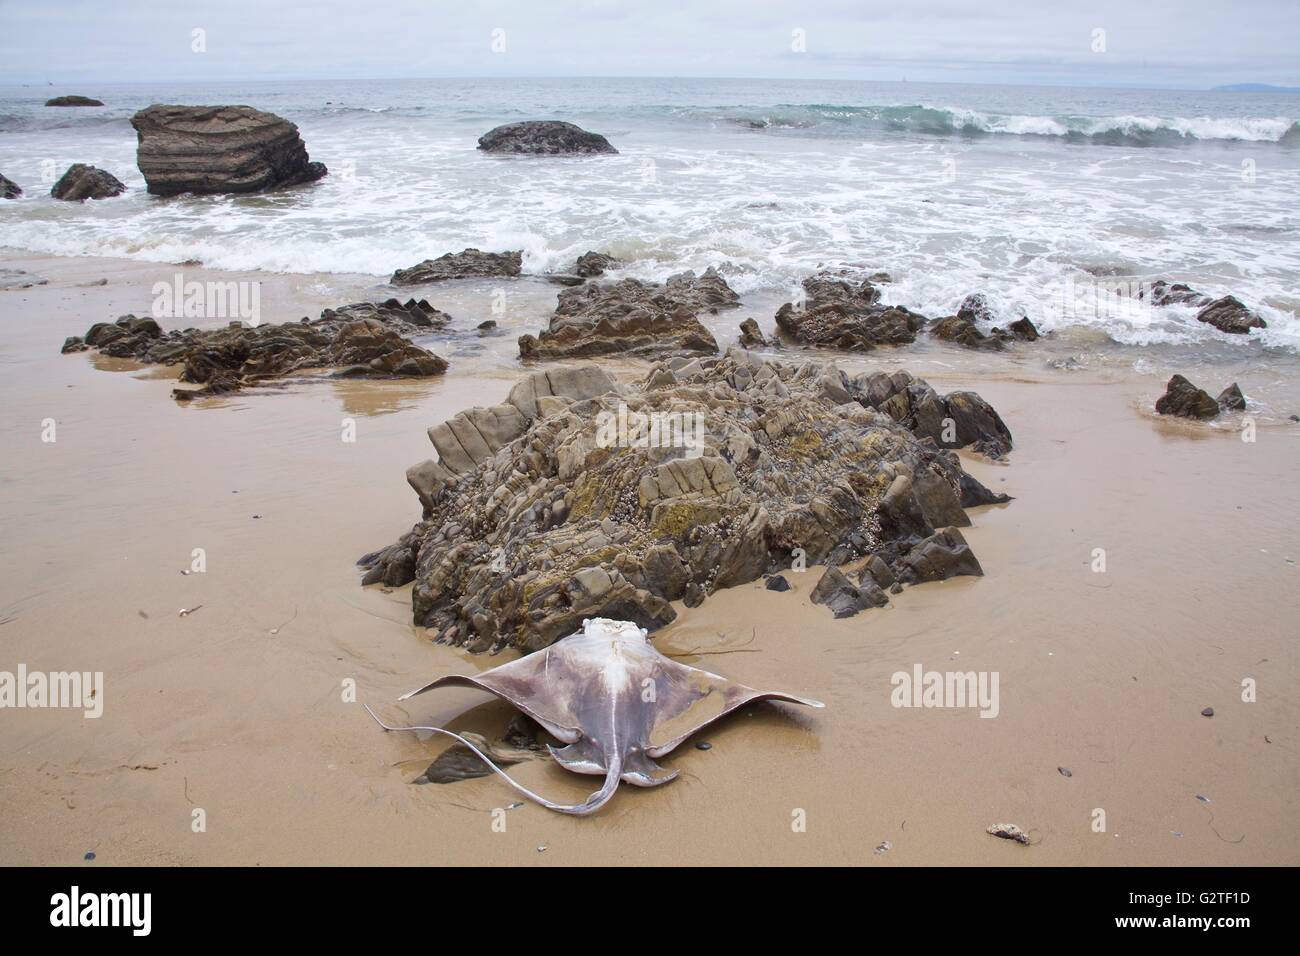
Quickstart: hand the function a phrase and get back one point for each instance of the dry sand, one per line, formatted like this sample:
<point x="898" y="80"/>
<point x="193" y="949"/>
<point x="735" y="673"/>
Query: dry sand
<point x="238" y="708"/>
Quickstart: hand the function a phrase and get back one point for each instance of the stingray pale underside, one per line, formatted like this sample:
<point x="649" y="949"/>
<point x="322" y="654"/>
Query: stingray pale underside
<point x="615" y="700"/>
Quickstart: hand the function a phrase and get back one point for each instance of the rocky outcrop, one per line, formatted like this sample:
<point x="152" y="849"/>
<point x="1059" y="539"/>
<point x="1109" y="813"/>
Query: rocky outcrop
<point x="219" y="149"/>
<point x="844" y="314"/>
<point x="956" y="420"/>
<point x="468" y="264"/>
<point x="543" y="138"/>
<point x="1229" y="315"/>
<point x="593" y="264"/>
<point x="82" y="182"/>
<point x="73" y="101"/>
<point x="9" y="189"/>
<point x="1185" y="400"/>
<point x="364" y="339"/>
<point x="559" y="504"/>
<point x="631" y="317"/>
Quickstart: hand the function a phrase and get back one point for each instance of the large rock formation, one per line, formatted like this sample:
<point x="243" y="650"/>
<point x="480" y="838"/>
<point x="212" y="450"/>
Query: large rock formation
<point x="219" y="149"/>
<point x="543" y="138"/>
<point x="364" y="339"/>
<point x="82" y="182"/>
<point x="580" y="497"/>
<point x="631" y="317"/>
<point x="843" y="314"/>
<point x="468" y="264"/>
<point x="73" y="100"/>
<point x="9" y="189"/>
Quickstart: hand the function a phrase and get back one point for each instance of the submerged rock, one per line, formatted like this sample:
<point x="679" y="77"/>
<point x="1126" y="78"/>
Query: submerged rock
<point x="1231" y="399"/>
<point x="1178" y="293"/>
<point x="543" y="138"/>
<point x="838" y="313"/>
<point x="593" y="264"/>
<point x="1185" y="400"/>
<point x="962" y="331"/>
<point x="9" y="189"/>
<point x="219" y="149"/>
<point x="73" y="100"/>
<point x="1229" y="315"/>
<point x="469" y="264"/>
<point x="631" y="317"/>
<point x="83" y="182"/>
<point x="582" y="497"/>
<point x="364" y="339"/>
<point x="1024" y="329"/>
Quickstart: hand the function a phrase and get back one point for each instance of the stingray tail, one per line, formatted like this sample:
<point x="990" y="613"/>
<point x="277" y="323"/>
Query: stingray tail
<point x="591" y="805"/>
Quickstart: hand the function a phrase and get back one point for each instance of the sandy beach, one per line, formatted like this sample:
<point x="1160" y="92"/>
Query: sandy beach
<point x="239" y="709"/>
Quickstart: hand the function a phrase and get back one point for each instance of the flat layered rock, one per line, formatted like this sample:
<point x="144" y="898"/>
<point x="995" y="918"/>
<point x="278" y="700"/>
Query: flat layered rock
<point x="82" y="182"/>
<point x="631" y="317"/>
<point x="543" y="138"/>
<point x="73" y="100"/>
<point x="539" y="512"/>
<point x="467" y="264"/>
<point x="364" y="339"/>
<point x="841" y="313"/>
<point x="219" y="149"/>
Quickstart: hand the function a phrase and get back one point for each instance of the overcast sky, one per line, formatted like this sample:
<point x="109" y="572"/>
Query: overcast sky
<point x="1191" y="43"/>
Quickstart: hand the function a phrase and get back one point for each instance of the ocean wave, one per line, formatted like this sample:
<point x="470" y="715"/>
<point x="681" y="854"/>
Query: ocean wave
<point x="922" y="119"/>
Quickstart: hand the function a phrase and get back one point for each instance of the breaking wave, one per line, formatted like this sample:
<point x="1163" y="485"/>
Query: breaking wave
<point x="946" y="121"/>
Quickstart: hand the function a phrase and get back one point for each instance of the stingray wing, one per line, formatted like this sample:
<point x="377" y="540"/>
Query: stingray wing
<point x="688" y="698"/>
<point x="539" y="686"/>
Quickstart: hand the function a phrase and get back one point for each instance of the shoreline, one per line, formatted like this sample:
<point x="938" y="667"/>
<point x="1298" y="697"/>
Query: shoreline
<point x="213" y="710"/>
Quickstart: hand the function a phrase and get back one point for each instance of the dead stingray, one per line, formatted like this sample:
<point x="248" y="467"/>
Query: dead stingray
<point x="615" y="700"/>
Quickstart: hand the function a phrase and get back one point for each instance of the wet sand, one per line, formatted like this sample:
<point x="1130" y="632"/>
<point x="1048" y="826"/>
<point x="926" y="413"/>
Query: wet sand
<point x="238" y="708"/>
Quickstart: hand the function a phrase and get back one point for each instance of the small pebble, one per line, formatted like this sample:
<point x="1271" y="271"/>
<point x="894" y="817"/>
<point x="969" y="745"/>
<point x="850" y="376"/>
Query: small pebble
<point x="884" y="847"/>
<point x="1203" y="799"/>
<point x="89" y="856"/>
<point x="541" y="848"/>
<point x="1208" y="712"/>
<point x="1064" y="771"/>
<point x="704" y="745"/>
